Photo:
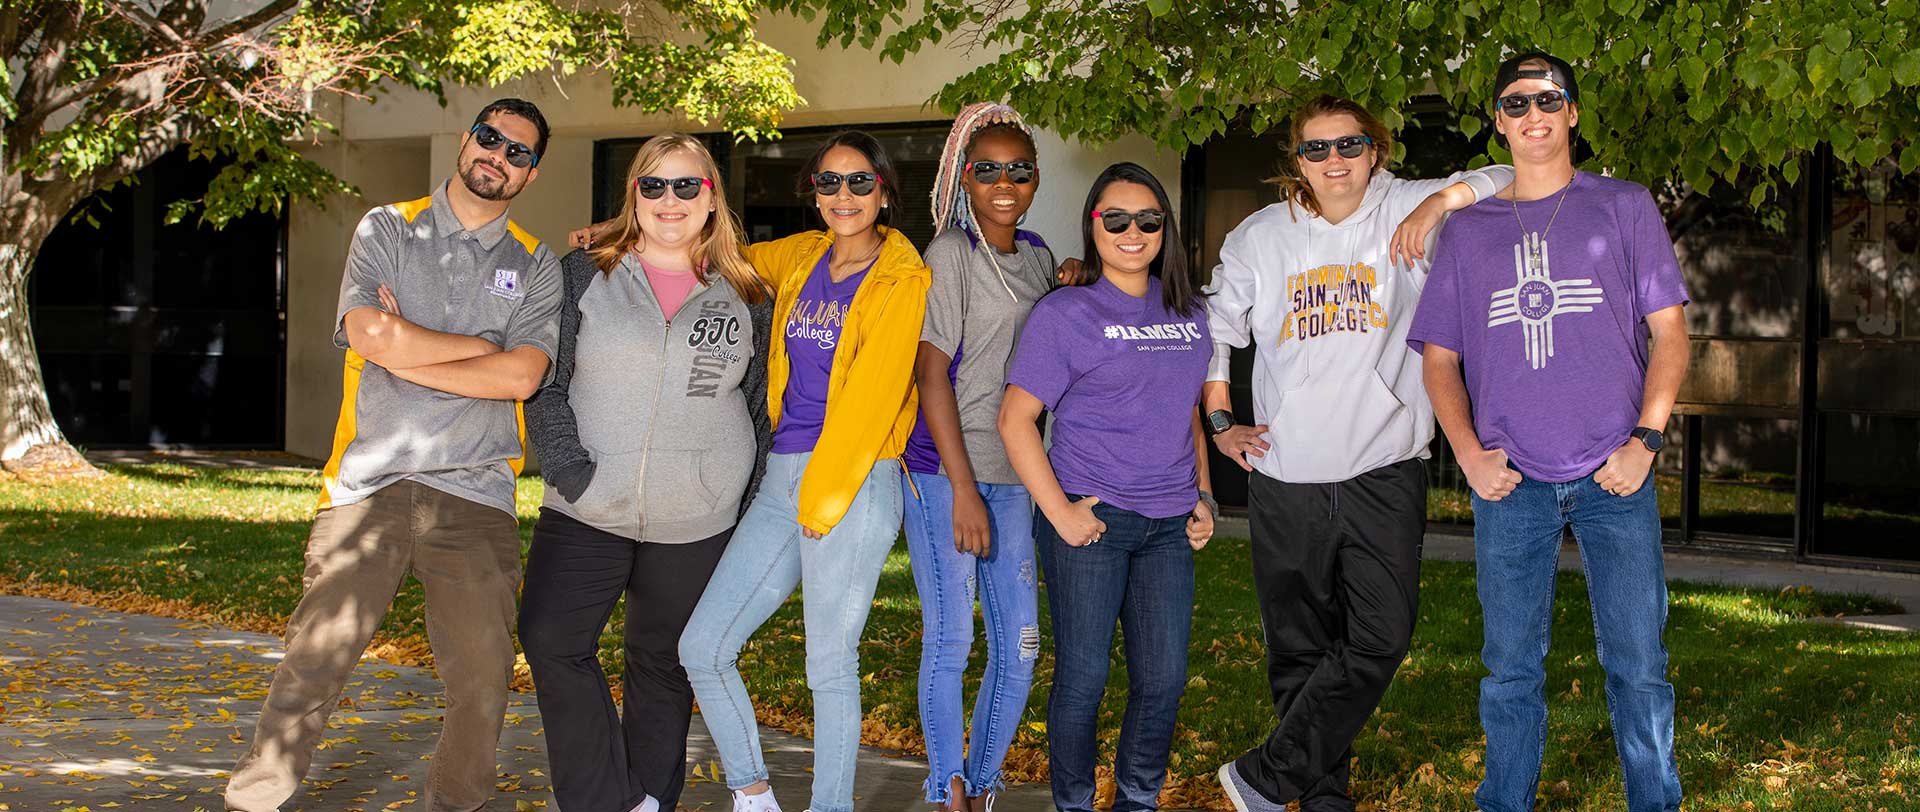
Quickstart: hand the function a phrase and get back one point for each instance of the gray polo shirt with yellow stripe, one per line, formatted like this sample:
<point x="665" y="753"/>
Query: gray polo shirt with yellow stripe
<point x="496" y="282"/>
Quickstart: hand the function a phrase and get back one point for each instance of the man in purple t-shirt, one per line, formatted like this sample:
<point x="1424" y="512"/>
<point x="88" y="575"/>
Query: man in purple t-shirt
<point x="1553" y="347"/>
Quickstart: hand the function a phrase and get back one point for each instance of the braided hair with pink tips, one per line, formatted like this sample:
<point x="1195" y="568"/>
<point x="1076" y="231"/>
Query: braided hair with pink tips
<point x="952" y="206"/>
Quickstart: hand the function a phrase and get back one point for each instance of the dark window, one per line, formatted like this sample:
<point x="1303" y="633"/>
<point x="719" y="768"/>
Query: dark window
<point x="760" y="177"/>
<point x="157" y="334"/>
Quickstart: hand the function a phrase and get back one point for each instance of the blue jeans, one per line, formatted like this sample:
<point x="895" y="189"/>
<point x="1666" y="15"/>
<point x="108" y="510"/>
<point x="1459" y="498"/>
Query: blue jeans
<point x="766" y="559"/>
<point x="947" y="579"/>
<point x="1140" y="572"/>
<point x="1517" y="551"/>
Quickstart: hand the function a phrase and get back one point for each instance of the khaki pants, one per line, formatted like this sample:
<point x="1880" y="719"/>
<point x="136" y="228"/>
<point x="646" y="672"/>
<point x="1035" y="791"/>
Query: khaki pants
<point x="467" y="556"/>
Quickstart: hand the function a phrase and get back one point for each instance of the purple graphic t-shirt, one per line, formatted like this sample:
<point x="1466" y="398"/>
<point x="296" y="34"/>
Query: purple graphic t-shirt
<point x="1551" y="329"/>
<point x="812" y="334"/>
<point x="1121" y="376"/>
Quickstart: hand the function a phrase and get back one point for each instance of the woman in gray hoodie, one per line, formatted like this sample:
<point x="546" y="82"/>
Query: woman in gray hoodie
<point x="651" y="437"/>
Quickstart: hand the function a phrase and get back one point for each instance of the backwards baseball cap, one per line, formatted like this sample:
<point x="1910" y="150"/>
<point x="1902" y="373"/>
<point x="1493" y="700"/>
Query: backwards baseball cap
<point x="1528" y="66"/>
<point x="1556" y="71"/>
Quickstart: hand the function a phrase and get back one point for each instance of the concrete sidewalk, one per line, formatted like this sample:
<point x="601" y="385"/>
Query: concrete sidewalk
<point x="109" y="710"/>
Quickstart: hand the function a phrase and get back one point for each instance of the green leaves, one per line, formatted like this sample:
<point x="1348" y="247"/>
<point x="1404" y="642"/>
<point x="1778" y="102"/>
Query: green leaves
<point x="1693" y="72"/>
<point x="1906" y="68"/>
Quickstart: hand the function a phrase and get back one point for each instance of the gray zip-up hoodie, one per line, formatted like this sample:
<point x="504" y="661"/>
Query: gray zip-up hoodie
<point x="653" y="430"/>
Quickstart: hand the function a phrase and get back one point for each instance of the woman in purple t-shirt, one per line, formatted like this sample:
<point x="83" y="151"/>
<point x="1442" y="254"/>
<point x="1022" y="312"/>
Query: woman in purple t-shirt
<point x="1122" y="497"/>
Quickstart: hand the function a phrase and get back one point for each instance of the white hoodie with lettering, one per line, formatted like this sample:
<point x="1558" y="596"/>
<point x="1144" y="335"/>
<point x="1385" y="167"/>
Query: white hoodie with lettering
<point x="1328" y="312"/>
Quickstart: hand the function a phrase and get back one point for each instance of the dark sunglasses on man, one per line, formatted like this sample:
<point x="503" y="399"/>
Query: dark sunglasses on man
<point x="1319" y="149"/>
<point x="490" y="139"/>
<point x="654" y="188"/>
<point x="860" y="184"/>
<point x="1115" y="221"/>
<point x="1549" y="101"/>
<point x="987" y="173"/>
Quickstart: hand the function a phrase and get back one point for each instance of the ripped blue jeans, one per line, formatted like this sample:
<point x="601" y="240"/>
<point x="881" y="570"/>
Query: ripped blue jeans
<point x="949" y="581"/>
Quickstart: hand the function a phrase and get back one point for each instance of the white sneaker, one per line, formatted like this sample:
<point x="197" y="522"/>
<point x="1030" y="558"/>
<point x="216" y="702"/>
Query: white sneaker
<point x="763" y="802"/>
<point x="648" y="804"/>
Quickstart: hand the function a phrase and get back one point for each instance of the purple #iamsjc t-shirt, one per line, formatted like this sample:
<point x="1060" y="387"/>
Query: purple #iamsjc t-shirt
<point x="1121" y="376"/>
<point x="1554" y="357"/>
<point x="812" y="334"/>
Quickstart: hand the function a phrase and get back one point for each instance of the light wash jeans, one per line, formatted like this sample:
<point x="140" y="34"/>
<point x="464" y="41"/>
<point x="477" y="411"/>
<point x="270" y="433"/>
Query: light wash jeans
<point x="766" y="559"/>
<point x="1516" y="544"/>
<point x="948" y="581"/>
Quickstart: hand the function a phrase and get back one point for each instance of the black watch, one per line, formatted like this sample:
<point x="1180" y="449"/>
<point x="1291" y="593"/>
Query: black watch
<point x="1218" y="420"/>
<point x="1651" y="438"/>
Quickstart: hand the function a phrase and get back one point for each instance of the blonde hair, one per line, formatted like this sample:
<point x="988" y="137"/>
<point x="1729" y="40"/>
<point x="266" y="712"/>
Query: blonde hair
<point x="1293" y="184"/>
<point x="717" y="251"/>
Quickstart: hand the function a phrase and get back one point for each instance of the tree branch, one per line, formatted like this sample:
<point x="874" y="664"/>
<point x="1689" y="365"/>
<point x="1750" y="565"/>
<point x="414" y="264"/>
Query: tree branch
<point x="11" y="34"/>
<point x="43" y="70"/>
<point x="139" y="16"/>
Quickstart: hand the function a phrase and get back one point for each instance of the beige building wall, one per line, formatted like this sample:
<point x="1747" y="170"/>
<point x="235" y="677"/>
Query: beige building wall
<point x="386" y="171"/>
<point x="397" y="147"/>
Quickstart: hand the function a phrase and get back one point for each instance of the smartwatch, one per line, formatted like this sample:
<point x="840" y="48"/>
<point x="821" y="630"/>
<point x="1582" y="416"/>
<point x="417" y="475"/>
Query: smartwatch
<point x="1217" y="421"/>
<point x="1651" y="438"/>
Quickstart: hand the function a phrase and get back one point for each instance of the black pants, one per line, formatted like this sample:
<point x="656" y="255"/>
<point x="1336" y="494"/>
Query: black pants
<point x="603" y="761"/>
<point x="1337" y="570"/>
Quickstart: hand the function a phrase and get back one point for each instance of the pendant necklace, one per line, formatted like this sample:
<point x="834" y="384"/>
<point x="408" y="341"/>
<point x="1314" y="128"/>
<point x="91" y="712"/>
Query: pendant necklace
<point x="1535" y="262"/>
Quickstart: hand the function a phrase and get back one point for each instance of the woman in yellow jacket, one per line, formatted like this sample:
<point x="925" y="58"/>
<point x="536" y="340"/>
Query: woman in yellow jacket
<point x="841" y="397"/>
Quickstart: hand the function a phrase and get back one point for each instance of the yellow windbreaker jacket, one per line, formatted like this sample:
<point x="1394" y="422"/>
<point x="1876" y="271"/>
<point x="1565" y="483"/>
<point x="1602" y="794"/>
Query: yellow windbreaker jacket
<point x="871" y="399"/>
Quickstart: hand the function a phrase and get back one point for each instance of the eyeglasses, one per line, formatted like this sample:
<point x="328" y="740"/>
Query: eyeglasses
<point x="653" y="188"/>
<point x="490" y="139"/>
<point x="989" y="172"/>
<point x="1115" y="221"/>
<point x="860" y="184"/>
<point x="1515" y="106"/>
<point x="1319" y="149"/>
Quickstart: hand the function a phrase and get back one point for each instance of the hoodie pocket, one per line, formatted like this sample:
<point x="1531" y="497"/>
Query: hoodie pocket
<point x="1331" y="429"/>
<point x="610" y="501"/>
<point x="676" y="489"/>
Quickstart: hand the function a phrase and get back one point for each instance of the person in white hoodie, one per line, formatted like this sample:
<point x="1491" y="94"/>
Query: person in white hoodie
<point x="1323" y="284"/>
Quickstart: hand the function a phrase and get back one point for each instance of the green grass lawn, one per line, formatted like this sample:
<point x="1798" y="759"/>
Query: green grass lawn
<point x="1773" y="713"/>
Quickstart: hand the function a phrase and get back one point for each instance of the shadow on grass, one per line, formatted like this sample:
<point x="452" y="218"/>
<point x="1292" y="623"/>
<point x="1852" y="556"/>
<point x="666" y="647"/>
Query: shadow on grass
<point x="234" y="568"/>
<point x="186" y="476"/>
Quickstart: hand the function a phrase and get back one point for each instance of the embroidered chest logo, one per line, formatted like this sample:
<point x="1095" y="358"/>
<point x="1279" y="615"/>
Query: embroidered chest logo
<point x="506" y="284"/>
<point x="1536" y="299"/>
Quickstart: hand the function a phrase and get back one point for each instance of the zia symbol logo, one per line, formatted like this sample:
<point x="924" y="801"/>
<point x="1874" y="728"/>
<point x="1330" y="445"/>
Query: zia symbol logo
<point x="1536" y="298"/>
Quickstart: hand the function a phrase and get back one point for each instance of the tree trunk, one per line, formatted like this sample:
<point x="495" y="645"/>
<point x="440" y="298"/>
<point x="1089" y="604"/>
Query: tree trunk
<point x="29" y="439"/>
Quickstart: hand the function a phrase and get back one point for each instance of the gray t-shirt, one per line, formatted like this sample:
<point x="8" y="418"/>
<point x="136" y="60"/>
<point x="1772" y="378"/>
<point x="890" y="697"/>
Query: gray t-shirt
<point x="496" y="282"/>
<point x="974" y="315"/>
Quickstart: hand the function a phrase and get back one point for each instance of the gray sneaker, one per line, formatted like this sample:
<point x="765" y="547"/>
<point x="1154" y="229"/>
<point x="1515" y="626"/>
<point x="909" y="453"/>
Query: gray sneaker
<point x="1244" y="797"/>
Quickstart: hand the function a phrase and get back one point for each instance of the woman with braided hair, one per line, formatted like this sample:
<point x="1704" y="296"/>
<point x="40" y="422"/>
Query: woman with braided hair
<point x="969" y="522"/>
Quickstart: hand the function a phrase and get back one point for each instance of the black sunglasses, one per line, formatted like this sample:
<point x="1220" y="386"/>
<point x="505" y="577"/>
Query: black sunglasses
<point x="859" y="183"/>
<point x="1350" y="146"/>
<point x="1515" y="106"/>
<point x="490" y="139"/>
<point x="653" y="188"/>
<point x="988" y="172"/>
<point x="1115" y="221"/>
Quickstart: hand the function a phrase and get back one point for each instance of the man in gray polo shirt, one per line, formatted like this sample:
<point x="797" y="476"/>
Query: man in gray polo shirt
<point x="448" y="313"/>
